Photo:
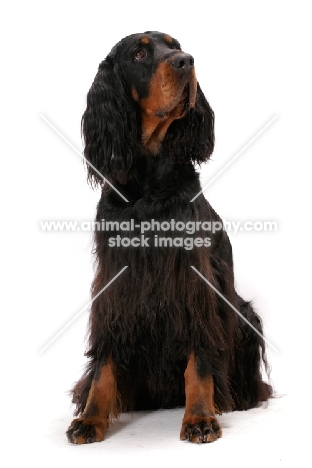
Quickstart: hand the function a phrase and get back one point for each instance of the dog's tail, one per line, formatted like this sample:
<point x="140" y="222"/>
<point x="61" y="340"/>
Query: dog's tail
<point x="250" y="362"/>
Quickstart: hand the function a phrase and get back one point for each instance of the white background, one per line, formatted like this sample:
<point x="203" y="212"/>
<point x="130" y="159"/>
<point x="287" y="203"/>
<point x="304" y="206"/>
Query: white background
<point x="253" y="61"/>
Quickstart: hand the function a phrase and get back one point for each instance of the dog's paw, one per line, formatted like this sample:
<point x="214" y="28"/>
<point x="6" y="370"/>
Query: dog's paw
<point x="86" y="431"/>
<point x="201" y="430"/>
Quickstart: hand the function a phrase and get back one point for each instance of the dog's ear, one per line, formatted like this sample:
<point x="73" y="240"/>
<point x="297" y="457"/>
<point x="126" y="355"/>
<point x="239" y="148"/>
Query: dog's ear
<point x="192" y="138"/>
<point x="109" y="126"/>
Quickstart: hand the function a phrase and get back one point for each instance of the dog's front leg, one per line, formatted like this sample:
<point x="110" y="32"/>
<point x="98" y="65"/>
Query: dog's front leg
<point x="101" y="405"/>
<point x="199" y="423"/>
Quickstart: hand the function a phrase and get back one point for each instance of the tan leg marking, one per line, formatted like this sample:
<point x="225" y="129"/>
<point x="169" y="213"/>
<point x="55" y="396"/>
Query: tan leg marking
<point x="100" y="408"/>
<point x="199" y="423"/>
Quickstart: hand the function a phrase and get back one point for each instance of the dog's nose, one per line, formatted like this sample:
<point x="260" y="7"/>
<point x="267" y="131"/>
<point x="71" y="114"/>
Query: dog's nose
<point x="182" y="62"/>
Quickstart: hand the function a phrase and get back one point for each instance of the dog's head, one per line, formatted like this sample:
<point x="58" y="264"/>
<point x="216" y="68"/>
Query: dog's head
<point x="145" y="99"/>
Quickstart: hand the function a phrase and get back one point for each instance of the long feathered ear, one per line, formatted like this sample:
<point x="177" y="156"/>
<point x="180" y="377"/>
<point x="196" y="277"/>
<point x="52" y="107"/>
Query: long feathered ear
<point x="109" y="126"/>
<point x="192" y="138"/>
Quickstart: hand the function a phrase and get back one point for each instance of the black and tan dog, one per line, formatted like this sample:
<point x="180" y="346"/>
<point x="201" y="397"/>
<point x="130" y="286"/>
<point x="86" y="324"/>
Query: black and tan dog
<point x="160" y="336"/>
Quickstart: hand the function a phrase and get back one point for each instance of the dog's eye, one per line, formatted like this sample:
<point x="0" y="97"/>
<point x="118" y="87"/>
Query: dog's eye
<point x="140" y="55"/>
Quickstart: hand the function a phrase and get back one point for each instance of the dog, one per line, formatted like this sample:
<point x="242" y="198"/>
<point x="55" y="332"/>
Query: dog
<point x="161" y="334"/>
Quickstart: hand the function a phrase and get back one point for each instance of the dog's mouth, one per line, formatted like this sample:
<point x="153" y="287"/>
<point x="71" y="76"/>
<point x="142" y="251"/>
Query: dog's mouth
<point x="183" y="103"/>
<point x="189" y="95"/>
<point x="186" y="95"/>
<point x="192" y="90"/>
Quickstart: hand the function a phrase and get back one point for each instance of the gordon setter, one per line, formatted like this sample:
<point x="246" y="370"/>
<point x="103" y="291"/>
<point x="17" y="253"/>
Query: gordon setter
<point x="160" y="335"/>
